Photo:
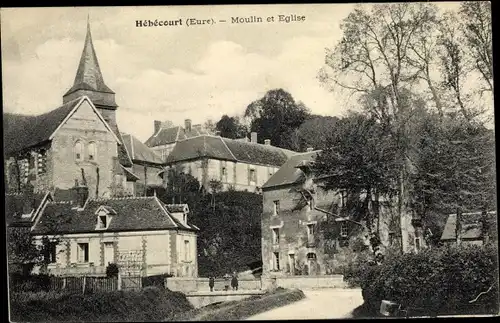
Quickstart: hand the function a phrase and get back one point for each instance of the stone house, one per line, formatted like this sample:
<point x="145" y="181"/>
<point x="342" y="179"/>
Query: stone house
<point x="142" y="235"/>
<point x="236" y="164"/>
<point x="307" y="230"/>
<point x="475" y="228"/>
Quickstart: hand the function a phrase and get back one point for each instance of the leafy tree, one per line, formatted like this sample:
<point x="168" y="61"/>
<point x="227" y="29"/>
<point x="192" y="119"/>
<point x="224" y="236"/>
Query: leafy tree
<point x="315" y="132"/>
<point x="359" y="159"/>
<point x="180" y="185"/>
<point x="230" y="127"/>
<point x="277" y="116"/>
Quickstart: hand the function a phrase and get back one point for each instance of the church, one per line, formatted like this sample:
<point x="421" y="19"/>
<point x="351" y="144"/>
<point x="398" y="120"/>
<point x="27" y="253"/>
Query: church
<point x="73" y="178"/>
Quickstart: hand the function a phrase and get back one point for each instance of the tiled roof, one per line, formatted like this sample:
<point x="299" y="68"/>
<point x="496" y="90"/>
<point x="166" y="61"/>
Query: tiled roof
<point x="139" y="151"/>
<point x="170" y="135"/>
<point x="14" y="205"/>
<point x="201" y="146"/>
<point x="255" y="153"/>
<point x="129" y="175"/>
<point x="123" y="154"/>
<point x="133" y="214"/>
<point x="289" y="173"/>
<point x="22" y="131"/>
<point x="471" y="226"/>
<point x="228" y="149"/>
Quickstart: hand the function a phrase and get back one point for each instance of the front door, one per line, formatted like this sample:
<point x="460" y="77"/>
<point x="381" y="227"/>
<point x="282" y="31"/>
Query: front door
<point x="109" y="253"/>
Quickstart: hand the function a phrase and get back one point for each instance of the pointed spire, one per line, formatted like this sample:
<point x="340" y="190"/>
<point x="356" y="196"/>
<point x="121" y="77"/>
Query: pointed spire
<point x="89" y="76"/>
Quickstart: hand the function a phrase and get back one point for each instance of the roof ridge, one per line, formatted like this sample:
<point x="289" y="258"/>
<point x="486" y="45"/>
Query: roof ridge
<point x="227" y="147"/>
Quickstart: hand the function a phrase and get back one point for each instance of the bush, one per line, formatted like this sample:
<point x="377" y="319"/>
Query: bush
<point x="112" y="270"/>
<point x="438" y="281"/>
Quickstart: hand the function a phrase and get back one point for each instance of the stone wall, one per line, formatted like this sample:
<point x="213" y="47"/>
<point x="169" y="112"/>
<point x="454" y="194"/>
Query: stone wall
<point x="86" y="127"/>
<point x="185" y="285"/>
<point x="309" y="282"/>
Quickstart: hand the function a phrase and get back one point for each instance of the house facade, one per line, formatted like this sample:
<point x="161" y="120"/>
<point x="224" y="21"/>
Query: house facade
<point x="307" y="230"/>
<point x="142" y="235"/>
<point x="236" y="164"/>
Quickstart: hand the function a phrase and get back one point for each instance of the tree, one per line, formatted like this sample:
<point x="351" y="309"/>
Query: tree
<point x="180" y="185"/>
<point x="360" y="160"/>
<point x="476" y="16"/>
<point x="277" y="116"/>
<point x="374" y="53"/>
<point x="230" y="127"/>
<point x="315" y="132"/>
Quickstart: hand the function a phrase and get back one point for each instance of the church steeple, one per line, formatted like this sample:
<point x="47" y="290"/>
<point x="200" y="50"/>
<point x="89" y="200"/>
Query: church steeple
<point x="89" y="80"/>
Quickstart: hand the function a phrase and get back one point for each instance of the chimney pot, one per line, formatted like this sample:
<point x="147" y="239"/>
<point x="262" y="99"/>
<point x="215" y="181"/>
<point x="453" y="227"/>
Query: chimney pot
<point x="187" y="125"/>
<point x="253" y="137"/>
<point x="267" y="142"/>
<point x="157" y="126"/>
<point x="310" y="149"/>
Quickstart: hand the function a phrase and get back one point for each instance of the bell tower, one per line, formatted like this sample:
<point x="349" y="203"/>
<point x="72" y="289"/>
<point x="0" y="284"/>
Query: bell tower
<point x="89" y="82"/>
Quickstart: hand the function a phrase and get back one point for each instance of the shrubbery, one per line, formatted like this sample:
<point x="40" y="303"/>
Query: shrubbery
<point x="438" y="281"/>
<point x="148" y="304"/>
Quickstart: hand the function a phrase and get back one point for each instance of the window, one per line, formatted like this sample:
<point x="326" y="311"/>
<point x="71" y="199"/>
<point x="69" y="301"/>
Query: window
<point x="187" y="250"/>
<point x="78" y="150"/>
<point x="252" y="176"/>
<point x="51" y="254"/>
<point x="83" y="252"/>
<point x="102" y="222"/>
<point x="276" y="207"/>
<point x="343" y="198"/>
<point x="276" y="236"/>
<point x="311" y="256"/>
<point x="417" y="244"/>
<point x="92" y="151"/>
<point x="343" y="229"/>
<point x="25" y="170"/>
<point x="276" y="256"/>
<point x="310" y="230"/>
<point x="41" y="162"/>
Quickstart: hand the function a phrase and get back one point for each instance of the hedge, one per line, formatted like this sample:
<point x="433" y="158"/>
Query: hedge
<point x="435" y="281"/>
<point x="148" y="304"/>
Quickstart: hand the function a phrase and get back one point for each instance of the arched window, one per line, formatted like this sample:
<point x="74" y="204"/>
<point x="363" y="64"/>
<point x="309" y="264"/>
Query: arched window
<point x="78" y="150"/>
<point x="92" y="151"/>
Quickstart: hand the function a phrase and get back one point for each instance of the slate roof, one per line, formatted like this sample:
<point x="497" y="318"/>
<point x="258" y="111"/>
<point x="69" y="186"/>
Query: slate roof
<point x="289" y="173"/>
<point x="139" y="151"/>
<point x="89" y="75"/>
<point x="173" y="134"/>
<point x="14" y="204"/>
<point x="132" y="214"/>
<point x="123" y="154"/>
<point x="22" y="131"/>
<point x="228" y="149"/>
<point x="471" y="226"/>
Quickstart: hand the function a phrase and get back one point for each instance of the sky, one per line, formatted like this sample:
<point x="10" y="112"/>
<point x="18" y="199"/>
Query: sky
<point x="171" y="73"/>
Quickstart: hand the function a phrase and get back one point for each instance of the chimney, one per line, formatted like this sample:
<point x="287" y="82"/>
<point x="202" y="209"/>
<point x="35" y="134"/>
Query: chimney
<point x="309" y="149"/>
<point x="82" y="194"/>
<point x="253" y="137"/>
<point x="267" y="142"/>
<point x="187" y="125"/>
<point x="157" y="124"/>
<point x="217" y="132"/>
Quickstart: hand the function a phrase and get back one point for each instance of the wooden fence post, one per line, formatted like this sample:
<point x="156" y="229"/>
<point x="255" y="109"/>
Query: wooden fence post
<point x="84" y="283"/>
<point x="119" y="281"/>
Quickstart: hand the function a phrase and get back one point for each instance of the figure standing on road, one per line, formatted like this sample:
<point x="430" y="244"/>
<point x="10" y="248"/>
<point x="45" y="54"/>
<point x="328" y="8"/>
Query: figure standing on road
<point x="211" y="283"/>
<point x="226" y="278"/>
<point x="234" y="281"/>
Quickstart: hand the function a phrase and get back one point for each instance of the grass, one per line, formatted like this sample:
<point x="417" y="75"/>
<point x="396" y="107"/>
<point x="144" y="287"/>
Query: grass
<point x="148" y="304"/>
<point x="239" y="310"/>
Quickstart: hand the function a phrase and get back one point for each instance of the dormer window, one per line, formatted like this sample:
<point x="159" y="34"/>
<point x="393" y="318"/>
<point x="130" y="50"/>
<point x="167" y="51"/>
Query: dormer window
<point x="104" y="216"/>
<point x="78" y="150"/>
<point x="92" y="150"/>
